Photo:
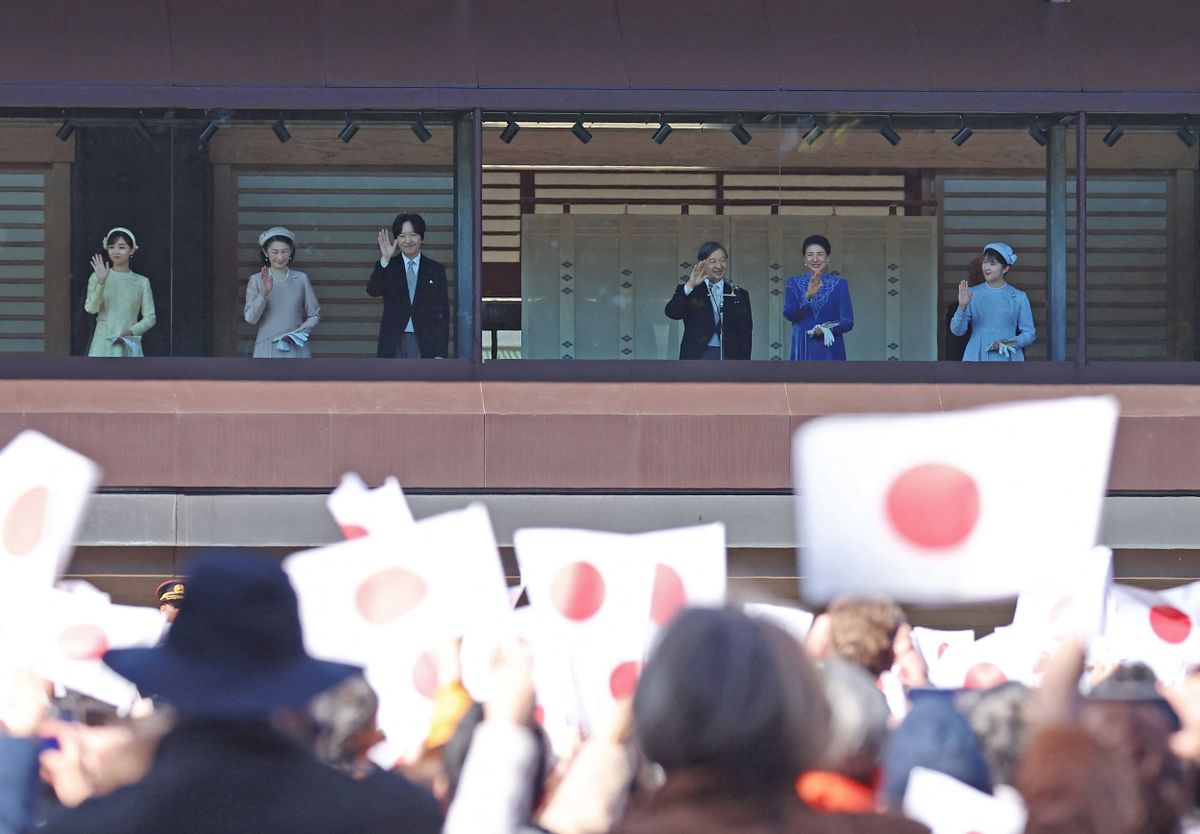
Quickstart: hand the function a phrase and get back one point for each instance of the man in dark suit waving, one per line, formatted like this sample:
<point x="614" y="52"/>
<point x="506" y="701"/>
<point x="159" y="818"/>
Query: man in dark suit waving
<point x="416" y="303"/>
<point x="715" y="312"/>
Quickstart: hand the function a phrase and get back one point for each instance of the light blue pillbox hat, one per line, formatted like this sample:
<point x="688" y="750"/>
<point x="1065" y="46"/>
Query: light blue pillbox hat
<point x="1005" y="251"/>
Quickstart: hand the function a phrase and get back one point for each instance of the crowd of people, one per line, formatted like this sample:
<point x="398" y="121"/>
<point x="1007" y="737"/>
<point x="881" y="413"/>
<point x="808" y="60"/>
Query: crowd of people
<point x="736" y="725"/>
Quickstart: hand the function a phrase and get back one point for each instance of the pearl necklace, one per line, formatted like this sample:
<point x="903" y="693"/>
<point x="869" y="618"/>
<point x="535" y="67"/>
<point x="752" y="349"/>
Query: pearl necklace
<point x="286" y="275"/>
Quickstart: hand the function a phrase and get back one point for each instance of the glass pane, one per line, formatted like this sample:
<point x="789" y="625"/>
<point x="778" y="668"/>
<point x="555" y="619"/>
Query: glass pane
<point x="1141" y="231"/>
<point x="585" y="242"/>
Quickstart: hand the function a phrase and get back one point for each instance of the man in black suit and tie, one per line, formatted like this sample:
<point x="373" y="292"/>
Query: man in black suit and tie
<point x="715" y="312"/>
<point x="416" y="302"/>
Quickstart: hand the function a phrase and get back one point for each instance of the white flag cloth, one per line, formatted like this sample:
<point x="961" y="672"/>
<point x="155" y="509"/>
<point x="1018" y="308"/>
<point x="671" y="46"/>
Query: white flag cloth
<point x="68" y="633"/>
<point x="933" y="644"/>
<point x="44" y="492"/>
<point x="390" y="601"/>
<point x="1004" y="655"/>
<point x="1159" y="628"/>
<point x="590" y="594"/>
<point x="946" y="508"/>
<point x="948" y="806"/>
<point x="360" y="511"/>
<point x="1073" y="598"/>
<point x="795" y="621"/>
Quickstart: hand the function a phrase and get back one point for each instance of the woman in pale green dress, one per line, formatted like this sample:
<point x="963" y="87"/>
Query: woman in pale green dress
<point x="119" y="298"/>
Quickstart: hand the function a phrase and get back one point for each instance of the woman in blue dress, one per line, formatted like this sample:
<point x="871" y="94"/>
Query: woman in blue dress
<point x="818" y="306"/>
<point x="998" y="313"/>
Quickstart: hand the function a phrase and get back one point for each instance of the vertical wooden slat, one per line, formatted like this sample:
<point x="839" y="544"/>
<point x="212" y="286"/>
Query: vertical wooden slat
<point x="57" y="241"/>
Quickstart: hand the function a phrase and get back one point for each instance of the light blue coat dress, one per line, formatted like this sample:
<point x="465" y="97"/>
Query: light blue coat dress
<point x="995" y="313"/>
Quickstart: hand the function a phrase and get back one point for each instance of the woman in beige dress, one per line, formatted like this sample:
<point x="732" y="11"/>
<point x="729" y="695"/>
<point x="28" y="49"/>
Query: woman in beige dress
<point x="119" y="298"/>
<point x="281" y="301"/>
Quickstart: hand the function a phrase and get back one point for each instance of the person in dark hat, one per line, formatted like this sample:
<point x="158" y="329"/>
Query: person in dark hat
<point x="232" y="664"/>
<point x="170" y="597"/>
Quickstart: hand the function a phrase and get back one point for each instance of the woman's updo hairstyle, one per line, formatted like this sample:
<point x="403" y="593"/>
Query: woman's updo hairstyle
<point x="819" y="240"/>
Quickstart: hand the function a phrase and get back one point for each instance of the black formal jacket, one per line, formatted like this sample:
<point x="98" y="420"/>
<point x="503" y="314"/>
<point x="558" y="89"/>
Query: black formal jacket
<point x="430" y="311"/>
<point x="245" y="777"/>
<point x="696" y="313"/>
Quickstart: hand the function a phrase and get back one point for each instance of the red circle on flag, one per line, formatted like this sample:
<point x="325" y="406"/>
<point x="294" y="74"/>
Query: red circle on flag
<point x="623" y="679"/>
<point x="668" y="595"/>
<point x="577" y="591"/>
<point x="425" y="674"/>
<point x="83" y="642"/>
<point x="942" y="649"/>
<point x="1170" y="624"/>
<point x="983" y="676"/>
<point x="26" y="519"/>
<point x="933" y="505"/>
<point x="388" y="595"/>
<point x="353" y="531"/>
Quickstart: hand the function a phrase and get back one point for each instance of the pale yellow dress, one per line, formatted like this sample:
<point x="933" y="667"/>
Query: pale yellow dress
<point x="123" y="302"/>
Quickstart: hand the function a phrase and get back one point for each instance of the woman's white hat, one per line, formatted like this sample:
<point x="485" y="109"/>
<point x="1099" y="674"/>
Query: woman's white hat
<point x="276" y="231"/>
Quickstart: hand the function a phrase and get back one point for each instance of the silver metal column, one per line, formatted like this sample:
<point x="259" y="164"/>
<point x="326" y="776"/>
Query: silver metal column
<point x="1056" y="242"/>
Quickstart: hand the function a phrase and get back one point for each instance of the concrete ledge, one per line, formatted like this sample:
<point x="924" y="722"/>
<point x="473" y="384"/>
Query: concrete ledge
<point x="752" y="521"/>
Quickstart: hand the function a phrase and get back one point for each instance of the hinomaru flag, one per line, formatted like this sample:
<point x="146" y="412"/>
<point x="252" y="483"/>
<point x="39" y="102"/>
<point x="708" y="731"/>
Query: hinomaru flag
<point x="945" y="508"/>
<point x="1160" y="628"/>
<point x="947" y="806"/>
<point x="360" y="511"/>
<point x="44" y="493"/>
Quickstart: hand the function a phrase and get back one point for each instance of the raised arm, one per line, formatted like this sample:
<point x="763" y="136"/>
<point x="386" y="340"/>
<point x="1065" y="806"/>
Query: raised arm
<point x="961" y="319"/>
<point x="793" y="299"/>
<point x="256" y="299"/>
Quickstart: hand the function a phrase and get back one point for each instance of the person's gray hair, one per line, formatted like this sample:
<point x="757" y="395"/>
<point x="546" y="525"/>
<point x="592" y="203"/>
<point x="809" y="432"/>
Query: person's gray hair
<point x="858" y="720"/>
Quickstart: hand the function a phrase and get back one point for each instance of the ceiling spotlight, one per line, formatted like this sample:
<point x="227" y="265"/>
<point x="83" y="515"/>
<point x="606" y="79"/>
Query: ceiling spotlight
<point x="581" y="133"/>
<point x="420" y="131"/>
<point x="889" y="133"/>
<point x="1185" y="134"/>
<point x="1037" y="133"/>
<point x="664" y="130"/>
<point x="139" y="127"/>
<point x="963" y="133"/>
<point x="65" y="130"/>
<point x="206" y="132"/>
<point x="349" y="129"/>
<point x="740" y="133"/>
<point x="510" y="130"/>
<point x="1114" y="134"/>
<point x="280" y="130"/>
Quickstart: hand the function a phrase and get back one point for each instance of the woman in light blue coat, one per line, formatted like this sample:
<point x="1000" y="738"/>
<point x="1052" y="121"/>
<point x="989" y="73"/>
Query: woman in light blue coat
<point x="998" y="313"/>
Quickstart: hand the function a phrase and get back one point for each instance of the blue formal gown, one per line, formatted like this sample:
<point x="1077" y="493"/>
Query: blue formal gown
<point x="830" y="304"/>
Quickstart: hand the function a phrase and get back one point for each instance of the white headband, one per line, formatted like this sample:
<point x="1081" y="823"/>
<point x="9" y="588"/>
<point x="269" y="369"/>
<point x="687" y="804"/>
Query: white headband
<point x="104" y="241"/>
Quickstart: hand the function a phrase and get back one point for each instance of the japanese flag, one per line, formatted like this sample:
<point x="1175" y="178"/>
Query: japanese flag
<point x="392" y="601"/>
<point x="70" y="632"/>
<point x="1073" y="598"/>
<point x="44" y="492"/>
<point x="360" y="511"/>
<point x="933" y="644"/>
<point x="947" y="806"/>
<point x="947" y="508"/>
<point x="591" y="593"/>
<point x="1156" y="627"/>
<point x="1004" y="655"/>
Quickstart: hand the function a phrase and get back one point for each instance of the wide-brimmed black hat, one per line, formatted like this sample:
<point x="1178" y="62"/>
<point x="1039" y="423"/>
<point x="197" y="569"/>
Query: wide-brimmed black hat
<point x="236" y="649"/>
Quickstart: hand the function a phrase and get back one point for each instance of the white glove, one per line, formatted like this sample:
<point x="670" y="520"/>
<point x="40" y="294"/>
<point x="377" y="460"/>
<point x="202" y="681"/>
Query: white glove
<point x="1006" y="349"/>
<point x="299" y="337"/>
<point x="824" y="332"/>
<point x="281" y="343"/>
